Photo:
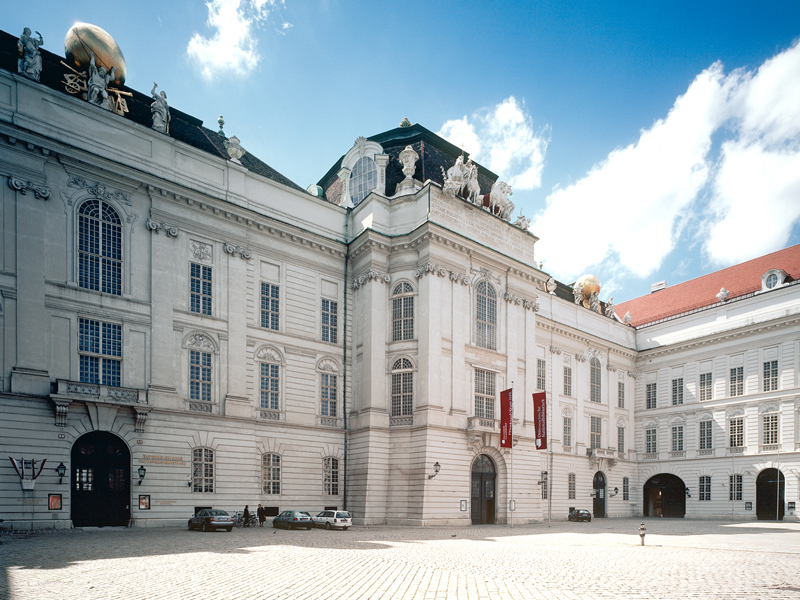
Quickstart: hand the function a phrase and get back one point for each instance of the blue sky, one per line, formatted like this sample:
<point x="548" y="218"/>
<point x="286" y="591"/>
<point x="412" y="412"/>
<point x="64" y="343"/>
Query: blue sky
<point x="646" y="141"/>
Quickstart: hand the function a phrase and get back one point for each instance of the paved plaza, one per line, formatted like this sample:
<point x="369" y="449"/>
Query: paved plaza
<point x="601" y="559"/>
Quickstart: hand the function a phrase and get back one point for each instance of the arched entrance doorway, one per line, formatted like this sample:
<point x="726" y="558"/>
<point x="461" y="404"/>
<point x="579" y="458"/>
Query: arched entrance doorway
<point x="664" y="496"/>
<point x="484" y="475"/>
<point x="770" y="495"/>
<point x="101" y="482"/>
<point x="599" y="493"/>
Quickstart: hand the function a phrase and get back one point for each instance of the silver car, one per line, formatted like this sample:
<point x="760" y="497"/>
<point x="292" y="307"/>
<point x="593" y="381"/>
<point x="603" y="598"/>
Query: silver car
<point x="333" y="519"/>
<point x="210" y="519"/>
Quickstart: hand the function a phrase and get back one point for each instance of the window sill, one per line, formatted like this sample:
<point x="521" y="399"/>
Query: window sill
<point x="770" y="448"/>
<point x="401" y="421"/>
<point x="329" y="422"/>
<point x="199" y="406"/>
<point x="268" y="414"/>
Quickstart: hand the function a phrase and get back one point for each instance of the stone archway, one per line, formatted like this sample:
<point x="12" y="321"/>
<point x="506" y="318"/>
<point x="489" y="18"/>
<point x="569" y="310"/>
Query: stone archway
<point x="770" y="495"/>
<point x="664" y="496"/>
<point x="484" y="478"/>
<point x="599" y="495"/>
<point x="101" y="480"/>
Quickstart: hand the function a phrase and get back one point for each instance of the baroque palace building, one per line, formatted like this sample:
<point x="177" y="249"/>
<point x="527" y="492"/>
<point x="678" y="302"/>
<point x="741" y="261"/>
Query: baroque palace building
<point x="184" y="327"/>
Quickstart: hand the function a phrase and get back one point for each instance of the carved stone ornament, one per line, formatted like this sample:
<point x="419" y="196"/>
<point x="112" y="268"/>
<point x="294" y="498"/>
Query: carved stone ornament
<point x="580" y="358"/>
<point x="200" y="341"/>
<point x="593" y="353"/>
<point x="200" y="406"/>
<point x="326" y="364"/>
<point x="158" y="227"/>
<point x="201" y="252"/>
<point x="370" y="276"/>
<point x="141" y="418"/>
<point x="408" y="158"/>
<point x="98" y="190"/>
<point x="567" y="359"/>
<point x="234" y="148"/>
<point x="430" y="268"/>
<point x="611" y="368"/>
<point x="458" y="277"/>
<point x="269" y="355"/>
<point x="551" y="286"/>
<point x="360" y="145"/>
<point x="628" y="318"/>
<point x="723" y="295"/>
<point x="610" y="308"/>
<point x="29" y="62"/>
<point x="237" y="250"/>
<point x="23" y="187"/>
<point x="524" y="302"/>
<point x="555" y="350"/>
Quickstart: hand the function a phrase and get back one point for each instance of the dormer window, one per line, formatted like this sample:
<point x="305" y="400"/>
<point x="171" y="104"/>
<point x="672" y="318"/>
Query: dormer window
<point x="363" y="179"/>
<point x="774" y="278"/>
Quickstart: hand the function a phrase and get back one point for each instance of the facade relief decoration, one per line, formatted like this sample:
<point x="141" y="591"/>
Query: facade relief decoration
<point x="270" y="355"/>
<point x="370" y="275"/>
<point x="29" y="62"/>
<point x="580" y="358"/>
<point x="567" y="359"/>
<point x="98" y="190"/>
<point x="158" y="227"/>
<point x="200" y="341"/>
<point x="201" y="252"/>
<point x="237" y="250"/>
<point x="430" y="268"/>
<point x="611" y="368"/>
<point x="555" y="350"/>
<point x="524" y="302"/>
<point x="593" y="353"/>
<point x="459" y="278"/>
<point x="23" y="187"/>
<point x="329" y="365"/>
<point x="200" y="406"/>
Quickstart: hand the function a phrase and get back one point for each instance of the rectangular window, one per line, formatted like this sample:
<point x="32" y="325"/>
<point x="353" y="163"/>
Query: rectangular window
<point x="567" y="431"/>
<point x="650" y="441"/>
<point x="769" y="434"/>
<point x="270" y="386"/>
<point x="705" y="387"/>
<point x="595" y="434"/>
<point x="737" y="381"/>
<point x="484" y="394"/>
<point x="620" y="439"/>
<point x="571" y="488"/>
<point x="620" y="394"/>
<point x="199" y="289"/>
<point x="650" y="395"/>
<point x="271" y="474"/>
<point x="403" y="318"/>
<point x="202" y="470"/>
<point x="706" y="440"/>
<point x="543" y="481"/>
<point x="677" y="438"/>
<point x="329" y="321"/>
<point x="704" y="488"/>
<point x="626" y="488"/>
<point x="771" y="376"/>
<point x="735" y="488"/>
<point x="736" y="433"/>
<point x="568" y="381"/>
<point x="328" y="395"/>
<point x="199" y="375"/>
<point x="677" y="391"/>
<point x="270" y="306"/>
<point x="330" y="476"/>
<point x="540" y="374"/>
<point x="402" y="394"/>
<point x="100" y="350"/>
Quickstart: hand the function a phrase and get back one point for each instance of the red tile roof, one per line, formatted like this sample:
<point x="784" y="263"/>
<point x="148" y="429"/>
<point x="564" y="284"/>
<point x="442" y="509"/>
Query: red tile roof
<point x="739" y="280"/>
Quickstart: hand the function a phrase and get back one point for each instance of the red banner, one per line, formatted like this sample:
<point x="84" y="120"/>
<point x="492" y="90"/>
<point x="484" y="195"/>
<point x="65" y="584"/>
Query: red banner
<point x="506" y="415"/>
<point x="540" y="419"/>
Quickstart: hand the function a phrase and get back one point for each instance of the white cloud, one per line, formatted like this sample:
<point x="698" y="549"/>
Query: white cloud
<point x="634" y="206"/>
<point x="232" y="49"/>
<point x="504" y="141"/>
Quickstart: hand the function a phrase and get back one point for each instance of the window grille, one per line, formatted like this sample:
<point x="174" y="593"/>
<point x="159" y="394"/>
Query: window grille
<point x="199" y="375"/>
<point x="769" y="433"/>
<point x="484" y="394"/>
<point x="270" y="306"/>
<point x="271" y="474"/>
<point x="327" y="395"/>
<point x="626" y="488"/>
<point x="543" y="480"/>
<point x="99" y="247"/>
<point x="270" y="386"/>
<point x="402" y="312"/>
<point x="202" y="470"/>
<point x="677" y="391"/>
<point x="704" y="488"/>
<point x="330" y="321"/>
<point x="620" y="394"/>
<point x="620" y="439"/>
<point x="200" y="292"/>
<point x="650" y="395"/>
<point x="402" y="388"/>
<point x="330" y="476"/>
<point x="594" y="380"/>
<point x="706" y="439"/>
<point x="486" y="318"/>
<point x="735" y="489"/>
<point x="737" y="381"/>
<point x="650" y="441"/>
<point x="100" y="352"/>
<point x="771" y="376"/>
<point x="736" y="427"/>
<point x="595" y="434"/>
<point x="363" y="179"/>
<point x="705" y="387"/>
<point x="568" y="381"/>
<point x="677" y="438"/>
<point x="568" y="431"/>
<point x="571" y="486"/>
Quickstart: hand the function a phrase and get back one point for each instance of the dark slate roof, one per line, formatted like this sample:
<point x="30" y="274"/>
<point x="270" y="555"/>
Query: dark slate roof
<point x="739" y="280"/>
<point x="435" y="153"/>
<point x="182" y="127"/>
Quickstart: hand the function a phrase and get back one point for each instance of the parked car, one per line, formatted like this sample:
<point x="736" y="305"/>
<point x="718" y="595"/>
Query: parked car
<point x="333" y="519"/>
<point x="580" y="515"/>
<point x="210" y="519"/>
<point x="292" y="519"/>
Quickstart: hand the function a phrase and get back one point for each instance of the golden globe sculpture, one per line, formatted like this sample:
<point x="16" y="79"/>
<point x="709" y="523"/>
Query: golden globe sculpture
<point x="590" y="285"/>
<point x="83" y="38"/>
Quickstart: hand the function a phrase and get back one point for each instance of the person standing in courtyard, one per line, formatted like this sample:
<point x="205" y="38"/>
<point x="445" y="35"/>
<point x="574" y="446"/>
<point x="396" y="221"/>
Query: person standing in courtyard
<point x="246" y="515"/>
<point x="261" y="514"/>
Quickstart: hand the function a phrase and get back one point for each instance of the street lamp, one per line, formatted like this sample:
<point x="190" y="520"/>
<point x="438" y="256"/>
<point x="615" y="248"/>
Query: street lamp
<point x="142" y="472"/>
<point x="61" y="470"/>
<point x="436" y="467"/>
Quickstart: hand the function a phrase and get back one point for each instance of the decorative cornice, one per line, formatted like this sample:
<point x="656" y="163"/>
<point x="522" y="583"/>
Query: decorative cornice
<point x="580" y="358"/>
<point x="234" y="250"/>
<point x="459" y="278"/>
<point x="98" y="190"/>
<point x="549" y="325"/>
<point x="158" y="227"/>
<point x="23" y="187"/>
<point x="370" y="275"/>
<point x="555" y="350"/>
<point x="429" y="268"/>
<point x="528" y="304"/>
<point x="611" y="368"/>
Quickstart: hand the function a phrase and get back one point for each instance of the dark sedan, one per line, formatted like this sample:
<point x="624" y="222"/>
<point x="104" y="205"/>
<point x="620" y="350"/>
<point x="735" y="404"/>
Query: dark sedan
<point x="210" y="519"/>
<point x="292" y="519"/>
<point x="580" y="515"/>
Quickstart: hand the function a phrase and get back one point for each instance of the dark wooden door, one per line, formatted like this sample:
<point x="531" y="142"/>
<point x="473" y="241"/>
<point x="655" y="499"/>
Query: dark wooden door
<point x="483" y="494"/>
<point x="599" y="487"/>
<point x="101" y="487"/>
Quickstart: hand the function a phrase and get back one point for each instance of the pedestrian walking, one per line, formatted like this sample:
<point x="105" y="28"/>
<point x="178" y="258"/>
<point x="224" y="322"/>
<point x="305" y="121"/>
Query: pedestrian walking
<point x="262" y="516"/>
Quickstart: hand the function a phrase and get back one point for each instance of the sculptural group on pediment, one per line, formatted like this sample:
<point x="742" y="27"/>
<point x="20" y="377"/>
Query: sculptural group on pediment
<point x="462" y="180"/>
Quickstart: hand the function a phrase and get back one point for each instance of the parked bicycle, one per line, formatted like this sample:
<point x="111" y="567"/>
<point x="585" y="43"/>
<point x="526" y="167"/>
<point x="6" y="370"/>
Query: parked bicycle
<point x="238" y="520"/>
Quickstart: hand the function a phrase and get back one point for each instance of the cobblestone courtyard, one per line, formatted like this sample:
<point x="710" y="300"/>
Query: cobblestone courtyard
<point x="601" y="559"/>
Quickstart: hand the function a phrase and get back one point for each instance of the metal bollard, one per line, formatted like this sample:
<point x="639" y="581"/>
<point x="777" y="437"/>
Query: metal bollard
<point x="642" y="529"/>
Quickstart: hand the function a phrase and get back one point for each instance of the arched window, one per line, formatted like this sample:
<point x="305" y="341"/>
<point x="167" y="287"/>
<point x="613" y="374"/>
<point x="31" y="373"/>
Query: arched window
<point x="486" y="317"/>
<point x="99" y="247"/>
<point x="402" y="312"/>
<point x="330" y="476"/>
<point x="402" y="388"/>
<point x="271" y="473"/>
<point x="594" y="379"/>
<point x="363" y="179"/>
<point x="202" y="470"/>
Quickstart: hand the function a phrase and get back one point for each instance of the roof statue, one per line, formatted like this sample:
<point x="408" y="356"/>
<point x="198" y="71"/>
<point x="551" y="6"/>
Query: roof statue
<point x="454" y="178"/>
<point x="29" y="63"/>
<point x="610" y="308"/>
<point x="627" y="318"/>
<point x="594" y="302"/>
<point x="522" y="222"/>
<point x="98" y="83"/>
<point x="234" y="148"/>
<point x="405" y="123"/>
<point x="577" y="291"/>
<point x="499" y="204"/>
<point x="551" y="283"/>
<point x="408" y="158"/>
<point x="723" y="295"/>
<point x="471" y="180"/>
<point x="221" y="123"/>
<point x="160" y="110"/>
